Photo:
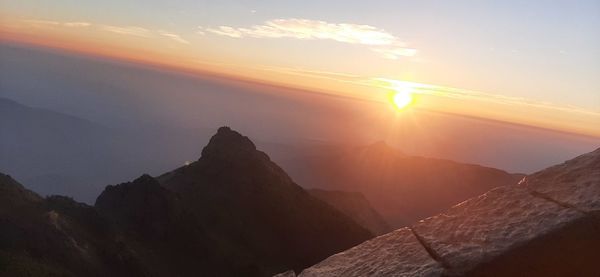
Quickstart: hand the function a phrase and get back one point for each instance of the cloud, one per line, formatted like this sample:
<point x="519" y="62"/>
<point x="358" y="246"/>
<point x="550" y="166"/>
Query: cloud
<point x="127" y="30"/>
<point x="172" y="36"/>
<point x="121" y="30"/>
<point x="77" y="24"/>
<point x="49" y="23"/>
<point x="394" y="53"/>
<point x="381" y="41"/>
<point x="226" y="31"/>
<point x="464" y="94"/>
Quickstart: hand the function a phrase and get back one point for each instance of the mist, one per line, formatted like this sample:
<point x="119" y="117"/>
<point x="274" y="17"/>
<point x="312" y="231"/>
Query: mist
<point x="73" y="123"/>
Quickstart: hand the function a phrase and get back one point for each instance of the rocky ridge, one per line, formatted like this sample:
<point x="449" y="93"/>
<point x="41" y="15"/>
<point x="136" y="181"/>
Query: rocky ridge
<point x="547" y="224"/>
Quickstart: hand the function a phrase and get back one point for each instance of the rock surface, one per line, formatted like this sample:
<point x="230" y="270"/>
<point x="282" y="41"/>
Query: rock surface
<point x="397" y="252"/>
<point x="525" y="229"/>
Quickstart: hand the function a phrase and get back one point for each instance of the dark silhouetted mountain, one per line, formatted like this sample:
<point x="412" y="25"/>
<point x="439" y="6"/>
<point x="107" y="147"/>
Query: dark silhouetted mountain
<point x="56" y="236"/>
<point x="231" y="213"/>
<point x="402" y="188"/>
<point x="547" y="225"/>
<point x="355" y="206"/>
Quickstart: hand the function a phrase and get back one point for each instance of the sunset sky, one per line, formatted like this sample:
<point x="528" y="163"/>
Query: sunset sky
<point x="527" y="62"/>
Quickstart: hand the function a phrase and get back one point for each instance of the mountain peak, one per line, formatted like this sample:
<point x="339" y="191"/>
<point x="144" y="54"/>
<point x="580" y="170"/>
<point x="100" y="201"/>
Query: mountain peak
<point x="10" y="190"/>
<point x="227" y="143"/>
<point x="381" y="146"/>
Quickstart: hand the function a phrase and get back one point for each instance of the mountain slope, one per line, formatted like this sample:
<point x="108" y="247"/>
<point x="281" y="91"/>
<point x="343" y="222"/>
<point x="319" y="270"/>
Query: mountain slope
<point x="234" y="208"/>
<point x="355" y="206"/>
<point x="402" y="188"/>
<point x="56" y="237"/>
<point x="546" y="225"/>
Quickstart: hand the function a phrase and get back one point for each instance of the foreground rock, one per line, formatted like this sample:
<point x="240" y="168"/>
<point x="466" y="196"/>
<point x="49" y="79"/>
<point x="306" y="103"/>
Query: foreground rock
<point x="387" y="255"/>
<point x="546" y="225"/>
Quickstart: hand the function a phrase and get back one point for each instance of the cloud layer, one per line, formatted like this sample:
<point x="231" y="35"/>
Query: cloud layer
<point x="135" y="31"/>
<point x="380" y="41"/>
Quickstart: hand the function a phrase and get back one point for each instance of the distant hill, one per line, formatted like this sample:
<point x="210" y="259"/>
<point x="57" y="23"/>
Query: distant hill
<point x="356" y="206"/>
<point x="233" y="212"/>
<point x="402" y="188"/>
<point x="56" y="153"/>
<point x="39" y="145"/>
<point x="547" y="225"/>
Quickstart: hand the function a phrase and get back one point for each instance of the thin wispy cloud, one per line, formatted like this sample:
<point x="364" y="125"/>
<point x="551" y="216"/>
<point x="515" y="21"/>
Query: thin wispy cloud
<point x="464" y="94"/>
<point x="50" y="23"/>
<point x="77" y="24"/>
<point x="174" y="37"/>
<point x="394" y="53"/>
<point x="135" y="31"/>
<point x="382" y="42"/>
<point x="127" y="30"/>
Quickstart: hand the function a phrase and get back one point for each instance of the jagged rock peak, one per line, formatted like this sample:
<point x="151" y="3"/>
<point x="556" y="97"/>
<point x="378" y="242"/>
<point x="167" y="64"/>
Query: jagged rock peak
<point x="11" y="189"/>
<point x="145" y="178"/>
<point x="143" y="205"/>
<point x="381" y="147"/>
<point x="227" y="142"/>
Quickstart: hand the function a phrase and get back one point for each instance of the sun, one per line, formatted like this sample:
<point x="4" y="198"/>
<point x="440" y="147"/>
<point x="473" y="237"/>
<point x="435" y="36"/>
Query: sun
<point x="402" y="99"/>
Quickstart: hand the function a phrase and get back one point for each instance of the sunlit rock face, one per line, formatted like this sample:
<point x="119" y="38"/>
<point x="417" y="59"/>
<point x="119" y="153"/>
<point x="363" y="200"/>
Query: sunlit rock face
<point x="387" y="255"/>
<point x="546" y="225"/>
<point x="573" y="183"/>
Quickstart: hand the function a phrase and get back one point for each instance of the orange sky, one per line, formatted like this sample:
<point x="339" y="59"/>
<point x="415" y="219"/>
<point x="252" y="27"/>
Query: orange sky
<point x="178" y="56"/>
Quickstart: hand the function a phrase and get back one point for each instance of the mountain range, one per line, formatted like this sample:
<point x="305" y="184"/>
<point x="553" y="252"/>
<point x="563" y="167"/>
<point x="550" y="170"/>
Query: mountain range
<point x="232" y="212"/>
<point x="402" y="188"/>
<point x="56" y="153"/>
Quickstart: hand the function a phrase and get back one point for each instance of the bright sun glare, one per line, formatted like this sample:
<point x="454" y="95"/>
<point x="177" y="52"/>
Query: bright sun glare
<point x="402" y="98"/>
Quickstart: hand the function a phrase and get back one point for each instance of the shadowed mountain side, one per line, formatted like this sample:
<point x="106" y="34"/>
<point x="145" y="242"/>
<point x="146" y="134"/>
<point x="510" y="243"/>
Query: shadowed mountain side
<point x="402" y="188"/>
<point x="546" y="226"/>
<point x="355" y="206"/>
<point x="234" y="208"/>
<point x="231" y="213"/>
<point x="56" y="237"/>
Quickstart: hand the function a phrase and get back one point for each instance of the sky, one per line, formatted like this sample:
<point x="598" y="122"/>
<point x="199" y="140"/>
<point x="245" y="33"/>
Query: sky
<point x="527" y="62"/>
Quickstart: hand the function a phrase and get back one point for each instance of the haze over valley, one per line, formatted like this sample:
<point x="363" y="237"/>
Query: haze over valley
<point x="299" y="139"/>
